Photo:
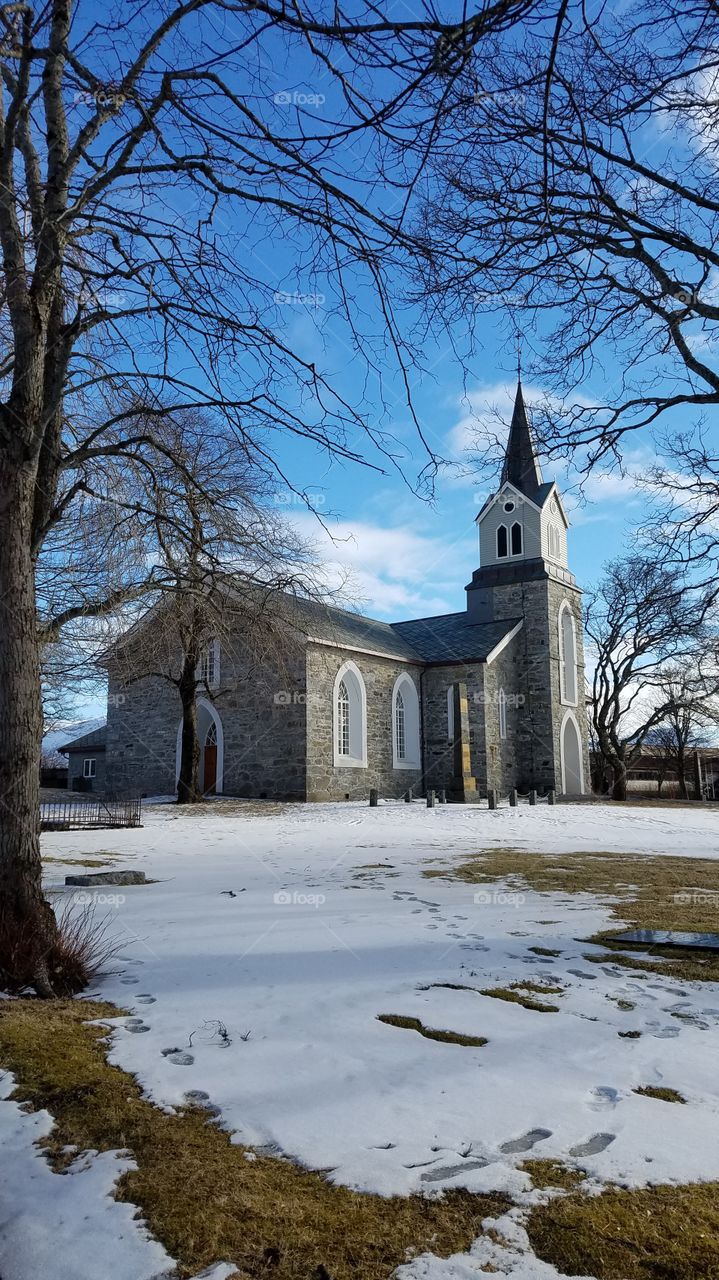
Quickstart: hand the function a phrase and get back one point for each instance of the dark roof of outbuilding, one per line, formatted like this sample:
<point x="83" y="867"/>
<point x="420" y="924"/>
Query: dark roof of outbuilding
<point x="92" y="741"/>
<point x="452" y="638"/>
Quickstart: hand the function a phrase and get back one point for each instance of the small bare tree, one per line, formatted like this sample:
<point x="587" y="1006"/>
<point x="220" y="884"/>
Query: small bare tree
<point x="642" y="620"/>
<point x="688" y="700"/>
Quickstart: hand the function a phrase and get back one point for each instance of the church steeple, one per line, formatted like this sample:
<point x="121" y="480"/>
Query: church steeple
<point x="521" y="467"/>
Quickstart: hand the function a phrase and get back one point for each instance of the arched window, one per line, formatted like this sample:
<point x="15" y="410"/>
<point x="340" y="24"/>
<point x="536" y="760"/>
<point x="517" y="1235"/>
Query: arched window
<point x="406" y="752"/>
<point x="516" y="539"/>
<point x="554" y="542"/>
<point x="502" y="714"/>
<point x="450" y="713"/>
<point x="209" y="666"/>
<point x="350" y="718"/>
<point x="502" y="542"/>
<point x="567" y="656"/>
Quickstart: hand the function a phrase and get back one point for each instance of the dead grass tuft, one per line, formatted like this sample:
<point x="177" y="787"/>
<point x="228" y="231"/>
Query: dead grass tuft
<point x="515" y="997"/>
<point x="430" y="1033"/>
<point x="78" y="946"/>
<point x="197" y="1192"/>
<point x="657" y="1233"/>
<point x="660" y="1093"/>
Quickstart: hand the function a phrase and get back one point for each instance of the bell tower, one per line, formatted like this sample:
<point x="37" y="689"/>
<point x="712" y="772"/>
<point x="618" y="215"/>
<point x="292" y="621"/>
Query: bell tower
<point x="524" y="576"/>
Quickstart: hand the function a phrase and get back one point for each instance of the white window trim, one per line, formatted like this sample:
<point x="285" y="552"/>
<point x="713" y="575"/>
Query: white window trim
<point x="569" y="715"/>
<point x="518" y="525"/>
<point x="412" y="739"/>
<point x="87" y="773"/>
<point x="502" y="525"/>
<point x="341" y="761"/>
<point x="566" y="701"/>
<point x="502" y="714"/>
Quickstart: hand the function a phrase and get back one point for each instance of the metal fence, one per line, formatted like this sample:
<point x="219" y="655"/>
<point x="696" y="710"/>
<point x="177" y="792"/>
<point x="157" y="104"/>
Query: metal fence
<point x="83" y="815"/>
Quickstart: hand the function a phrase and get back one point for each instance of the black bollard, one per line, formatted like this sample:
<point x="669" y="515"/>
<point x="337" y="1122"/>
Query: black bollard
<point x="532" y="797"/>
<point x="408" y="796"/>
<point x="492" y="799"/>
<point x="373" y="798"/>
<point x="513" y="797"/>
<point x="443" y="796"/>
<point x="430" y="799"/>
<point x="551" y="797"/>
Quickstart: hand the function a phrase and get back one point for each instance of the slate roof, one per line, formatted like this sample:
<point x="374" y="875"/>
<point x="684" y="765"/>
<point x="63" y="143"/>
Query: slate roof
<point x="452" y="638"/>
<point x="337" y="626"/>
<point x="92" y="741"/>
<point x="447" y="638"/>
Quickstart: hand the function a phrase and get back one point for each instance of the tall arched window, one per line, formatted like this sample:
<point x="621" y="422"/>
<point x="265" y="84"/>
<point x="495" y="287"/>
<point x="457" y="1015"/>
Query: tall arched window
<point x="350" y="718"/>
<point x="502" y="542"/>
<point x="516" y="539"/>
<point x="554" y="542"/>
<point x="406" y="752"/>
<point x="567" y="656"/>
<point x="450" y="713"/>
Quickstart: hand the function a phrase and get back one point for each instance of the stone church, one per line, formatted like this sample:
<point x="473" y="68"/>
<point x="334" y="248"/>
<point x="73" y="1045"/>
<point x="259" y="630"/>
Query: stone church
<point x="491" y="697"/>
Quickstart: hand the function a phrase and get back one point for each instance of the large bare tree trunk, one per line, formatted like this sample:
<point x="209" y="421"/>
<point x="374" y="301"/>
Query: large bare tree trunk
<point x="188" y="791"/>
<point x="28" y="929"/>
<point x="619" y="781"/>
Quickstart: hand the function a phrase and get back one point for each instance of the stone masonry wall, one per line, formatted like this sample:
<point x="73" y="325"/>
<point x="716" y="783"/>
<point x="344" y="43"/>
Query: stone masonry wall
<point x="324" y="781"/>
<point x="438" y="758"/>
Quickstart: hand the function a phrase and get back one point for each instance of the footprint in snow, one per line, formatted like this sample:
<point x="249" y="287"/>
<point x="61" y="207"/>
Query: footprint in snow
<point x="179" y="1056"/>
<point x="603" y="1098"/>
<point x="129" y="982"/>
<point x="592" y="1147"/>
<point x="579" y="973"/>
<point x="451" y="1170"/>
<point x="526" y="1142"/>
<point x="136" y="1026"/>
<point x="145" y="999"/>
<point x="198" y="1098"/>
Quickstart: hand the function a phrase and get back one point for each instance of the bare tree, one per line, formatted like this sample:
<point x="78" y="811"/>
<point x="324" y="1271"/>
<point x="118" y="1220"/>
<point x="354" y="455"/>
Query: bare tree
<point x="577" y="160"/>
<point x="689" y="712"/>
<point x="643" y="620"/>
<point x="146" y="174"/>
<point x="218" y="555"/>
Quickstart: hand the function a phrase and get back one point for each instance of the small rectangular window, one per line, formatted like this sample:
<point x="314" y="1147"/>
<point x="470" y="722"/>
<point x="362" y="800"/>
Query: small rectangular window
<point x="88" y="768"/>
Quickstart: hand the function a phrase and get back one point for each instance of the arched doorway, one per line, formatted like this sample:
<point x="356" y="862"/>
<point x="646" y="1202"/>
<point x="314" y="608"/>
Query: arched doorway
<point x="212" y="749"/>
<point x="571" y="757"/>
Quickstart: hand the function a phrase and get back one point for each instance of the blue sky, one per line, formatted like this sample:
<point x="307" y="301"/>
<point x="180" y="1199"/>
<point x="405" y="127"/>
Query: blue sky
<point x="408" y="557"/>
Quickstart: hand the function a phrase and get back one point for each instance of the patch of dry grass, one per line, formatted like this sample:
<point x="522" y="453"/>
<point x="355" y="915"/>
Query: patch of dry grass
<point x="198" y="1194"/>
<point x="514" y="996"/>
<point x="552" y="1173"/>
<point x="657" y="1233"/>
<point x="660" y="1093"/>
<point x="641" y="891"/>
<point x="79" y="861"/>
<point x="431" y="1033"/>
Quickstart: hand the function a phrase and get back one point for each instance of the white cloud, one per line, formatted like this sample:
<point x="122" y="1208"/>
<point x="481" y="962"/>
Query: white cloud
<point x="393" y="572"/>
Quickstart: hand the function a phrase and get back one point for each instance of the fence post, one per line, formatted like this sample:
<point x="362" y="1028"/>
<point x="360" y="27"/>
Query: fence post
<point x="443" y="796"/>
<point x="408" y="796"/>
<point x="373" y="798"/>
<point x="492" y="798"/>
<point x="513" y="797"/>
<point x="532" y="797"/>
<point x="551" y="797"/>
<point x="430" y="799"/>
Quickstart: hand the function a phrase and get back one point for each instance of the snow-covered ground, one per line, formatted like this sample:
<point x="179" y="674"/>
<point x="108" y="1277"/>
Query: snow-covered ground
<point x="280" y="928"/>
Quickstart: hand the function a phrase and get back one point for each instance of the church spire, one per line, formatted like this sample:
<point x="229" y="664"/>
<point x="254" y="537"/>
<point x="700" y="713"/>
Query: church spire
<point x="520" y="460"/>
